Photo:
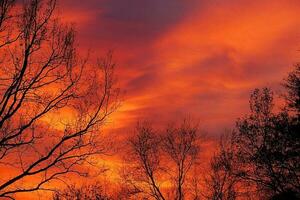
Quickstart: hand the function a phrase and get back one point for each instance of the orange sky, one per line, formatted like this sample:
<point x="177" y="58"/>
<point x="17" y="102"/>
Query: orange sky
<point x="196" y="57"/>
<point x="189" y="57"/>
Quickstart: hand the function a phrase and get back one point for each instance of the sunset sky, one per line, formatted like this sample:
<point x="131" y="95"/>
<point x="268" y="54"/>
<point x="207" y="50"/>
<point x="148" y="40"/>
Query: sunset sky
<point x="190" y="57"/>
<point x="179" y="58"/>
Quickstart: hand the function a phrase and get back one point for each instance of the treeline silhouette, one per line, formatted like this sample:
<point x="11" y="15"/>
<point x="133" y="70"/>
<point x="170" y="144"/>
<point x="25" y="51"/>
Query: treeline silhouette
<point x="42" y="76"/>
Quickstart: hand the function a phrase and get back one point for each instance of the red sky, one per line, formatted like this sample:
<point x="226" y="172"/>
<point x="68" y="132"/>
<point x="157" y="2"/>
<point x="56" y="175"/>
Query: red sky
<point x="196" y="57"/>
<point x="189" y="57"/>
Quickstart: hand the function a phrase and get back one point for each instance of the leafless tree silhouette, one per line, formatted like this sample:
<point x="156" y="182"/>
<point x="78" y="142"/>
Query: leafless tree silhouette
<point x="180" y="145"/>
<point x="43" y="83"/>
<point x="221" y="180"/>
<point x="84" y="192"/>
<point x="158" y="158"/>
<point x="144" y="157"/>
<point x="6" y="35"/>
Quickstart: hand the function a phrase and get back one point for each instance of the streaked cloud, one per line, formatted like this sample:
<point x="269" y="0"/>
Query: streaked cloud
<point x="198" y="57"/>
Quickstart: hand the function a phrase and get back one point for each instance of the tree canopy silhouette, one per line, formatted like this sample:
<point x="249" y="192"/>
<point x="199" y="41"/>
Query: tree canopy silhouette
<point x="265" y="145"/>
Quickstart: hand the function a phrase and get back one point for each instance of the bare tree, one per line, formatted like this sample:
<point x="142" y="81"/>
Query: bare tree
<point x="84" y="192"/>
<point x="182" y="148"/>
<point x="52" y="104"/>
<point x="158" y="158"/>
<point x="221" y="181"/>
<point x="6" y="29"/>
<point x="145" y="160"/>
